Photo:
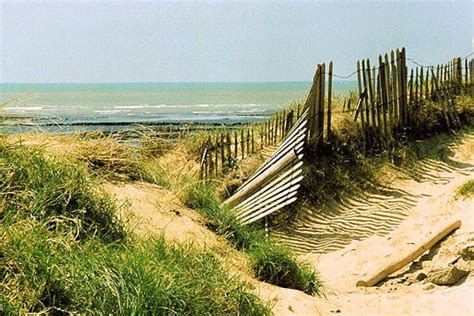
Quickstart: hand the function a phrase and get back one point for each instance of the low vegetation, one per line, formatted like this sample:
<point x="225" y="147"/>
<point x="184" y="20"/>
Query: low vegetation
<point x="271" y="262"/>
<point x="467" y="189"/>
<point x="44" y="272"/>
<point x="56" y="192"/>
<point x="63" y="249"/>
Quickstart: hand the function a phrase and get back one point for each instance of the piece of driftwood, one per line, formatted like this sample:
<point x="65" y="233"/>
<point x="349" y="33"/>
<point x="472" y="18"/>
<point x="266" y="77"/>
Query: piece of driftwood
<point x="437" y="234"/>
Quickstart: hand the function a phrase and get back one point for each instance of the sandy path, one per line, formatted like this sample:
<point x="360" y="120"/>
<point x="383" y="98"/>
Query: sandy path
<point x="377" y="211"/>
<point x="367" y="237"/>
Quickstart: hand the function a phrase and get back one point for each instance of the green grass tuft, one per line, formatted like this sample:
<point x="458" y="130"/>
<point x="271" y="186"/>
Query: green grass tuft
<point x="44" y="189"/>
<point x="467" y="189"/>
<point x="41" y="273"/>
<point x="271" y="262"/>
<point x="276" y="264"/>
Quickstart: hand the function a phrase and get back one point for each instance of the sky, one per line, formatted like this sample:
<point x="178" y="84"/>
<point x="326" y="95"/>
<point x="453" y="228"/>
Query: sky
<point x="136" y="41"/>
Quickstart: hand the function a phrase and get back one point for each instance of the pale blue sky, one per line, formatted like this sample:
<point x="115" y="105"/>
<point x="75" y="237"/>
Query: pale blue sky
<point x="113" y="41"/>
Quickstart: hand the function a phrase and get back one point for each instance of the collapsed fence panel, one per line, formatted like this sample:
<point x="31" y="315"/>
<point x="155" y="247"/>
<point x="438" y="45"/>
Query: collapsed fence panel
<point x="275" y="184"/>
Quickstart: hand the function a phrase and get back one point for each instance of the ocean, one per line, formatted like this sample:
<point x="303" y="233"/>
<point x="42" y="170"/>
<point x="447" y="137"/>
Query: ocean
<point x="111" y="106"/>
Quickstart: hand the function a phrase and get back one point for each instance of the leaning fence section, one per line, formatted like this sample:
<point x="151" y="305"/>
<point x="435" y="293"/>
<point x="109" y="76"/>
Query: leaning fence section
<point x="275" y="184"/>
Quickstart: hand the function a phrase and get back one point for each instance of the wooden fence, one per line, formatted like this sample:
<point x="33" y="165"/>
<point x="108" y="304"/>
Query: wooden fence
<point x="221" y="151"/>
<point x="275" y="184"/>
<point x="389" y="100"/>
<point x="320" y="108"/>
<point x="391" y="96"/>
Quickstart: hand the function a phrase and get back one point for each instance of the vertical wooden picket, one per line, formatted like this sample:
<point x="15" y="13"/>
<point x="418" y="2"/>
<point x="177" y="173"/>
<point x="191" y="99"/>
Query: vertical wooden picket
<point x="329" y="133"/>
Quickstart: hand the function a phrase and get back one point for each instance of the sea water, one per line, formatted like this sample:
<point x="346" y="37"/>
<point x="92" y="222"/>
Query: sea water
<point x="108" y="104"/>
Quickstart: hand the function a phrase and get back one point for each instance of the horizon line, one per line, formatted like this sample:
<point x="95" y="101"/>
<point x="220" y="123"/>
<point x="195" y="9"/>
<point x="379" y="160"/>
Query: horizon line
<point x="167" y="82"/>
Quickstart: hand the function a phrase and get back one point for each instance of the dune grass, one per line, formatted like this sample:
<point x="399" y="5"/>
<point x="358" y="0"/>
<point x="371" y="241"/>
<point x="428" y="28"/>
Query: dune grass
<point x="43" y="273"/>
<point x="34" y="187"/>
<point x="271" y="262"/>
<point x="63" y="249"/>
<point x="466" y="189"/>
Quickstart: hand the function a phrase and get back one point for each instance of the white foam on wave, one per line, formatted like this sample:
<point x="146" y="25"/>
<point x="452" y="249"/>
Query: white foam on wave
<point x="249" y="111"/>
<point x="200" y="105"/>
<point x="24" y="108"/>
<point x="108" y="111"/>
<point x="140" y="106"/>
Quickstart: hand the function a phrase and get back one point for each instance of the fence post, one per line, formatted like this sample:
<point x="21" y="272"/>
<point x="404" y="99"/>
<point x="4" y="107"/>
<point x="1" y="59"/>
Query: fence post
<point x="248" y="142"/>
<point x="427" y="83"/>
<point x="402" y="84"/>
<point x="394" y="88"/>
<point x="366" y="79"/>
<point x="253" y="142"/>
<point x="236" y="144"/>
<point x="383" y="90"/>
<point x="366" y="106"/>
<point x="388" y="85"/>
<point x="359" y="82"/>
<point x="471" y="72"/>
<point x="466" y="82"/>
<point x="458" y="71"/>
<point x="440" y="99"/>
<point x="229" y="146"/>
<point x="432" y="92"/>
<point x="216" y="156"/>
<point x="211" y="161"/>
<point x="370" y="100"/>
<point x="209" y="158"/>
<point x="416" y="87"/>
<point x="277" y="118"/>
<point x="329" y="132"/>
<point x="283" y="124"/>
<point x="321" y="104"/>
<point x="422" y="81"/>
<point x="201" y="164"/>
<point x="265" y="133"/>
<point x="222" y="151"/>
<point x="313" y="104"/>
<point x="242" y="146"/>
